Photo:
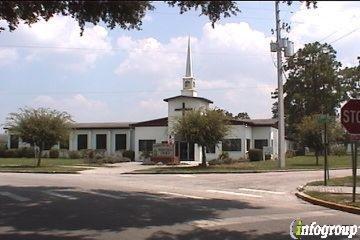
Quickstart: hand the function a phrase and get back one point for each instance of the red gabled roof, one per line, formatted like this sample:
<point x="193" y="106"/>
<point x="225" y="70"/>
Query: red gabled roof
<point x="183" y="96"/>
<point x="159" y="122"/>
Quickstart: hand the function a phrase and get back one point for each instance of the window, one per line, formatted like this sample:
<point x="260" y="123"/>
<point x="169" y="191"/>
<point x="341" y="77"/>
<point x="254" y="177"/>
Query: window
<point x="146" y="145"/>
<point x="47" y="146"/>
<point x="247" y="144"/>
<point x="210" y="149"/>
<point x="231" y="144"/>
<point x="82" y="141"/>
<point x="100" y="141"/>
<point x="120" y="142"/>
<point x="64" y="144"/>
<point x="187" y="84"/>
<point x="260" y="143"/>
<point x="14" y="141"/>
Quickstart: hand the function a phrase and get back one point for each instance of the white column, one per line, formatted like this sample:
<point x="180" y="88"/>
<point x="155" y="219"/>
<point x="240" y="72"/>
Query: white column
<point x="71" y="141"/>
<point x="108" y="142"/>
<point x="90" y="141"/>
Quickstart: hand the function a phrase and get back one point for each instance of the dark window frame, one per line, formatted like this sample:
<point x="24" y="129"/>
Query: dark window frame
<point x="101" y="141"/>
<point x="84" y="142"/>
<point x="232" y="145"/>
<point x="120" y="141"/>
<point x="14" y="141"/>
<point x="261" y="142"/>
<point x="146" y="145"/>
<point x="211" y="149"/>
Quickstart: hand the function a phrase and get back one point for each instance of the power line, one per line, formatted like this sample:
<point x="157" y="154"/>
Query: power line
<point x="345" y="35"/>
<point x="125" y="91"/>
<point x="124" y="50"/>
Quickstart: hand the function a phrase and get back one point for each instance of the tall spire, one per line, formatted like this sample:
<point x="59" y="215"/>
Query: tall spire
<point x="188" y="61"/>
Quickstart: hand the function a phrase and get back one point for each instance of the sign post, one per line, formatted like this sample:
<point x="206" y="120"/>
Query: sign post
<point x="324" y="119"/>
<point x="350" y="119"/>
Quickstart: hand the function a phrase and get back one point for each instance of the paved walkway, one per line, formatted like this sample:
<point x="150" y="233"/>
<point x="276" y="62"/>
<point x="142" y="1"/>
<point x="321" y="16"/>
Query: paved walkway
<point x="331" y="189"/>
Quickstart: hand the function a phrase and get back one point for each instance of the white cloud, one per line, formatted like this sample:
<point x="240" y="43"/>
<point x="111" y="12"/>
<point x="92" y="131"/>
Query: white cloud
<point x="63" y="33"/>
<point x="226" y="61"/>
<point x="80" y="107"/>
<point x="329" y="22"/>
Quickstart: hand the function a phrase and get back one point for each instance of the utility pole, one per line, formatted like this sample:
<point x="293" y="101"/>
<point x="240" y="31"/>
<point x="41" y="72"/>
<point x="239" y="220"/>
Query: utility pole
<point x="281" y="122"/>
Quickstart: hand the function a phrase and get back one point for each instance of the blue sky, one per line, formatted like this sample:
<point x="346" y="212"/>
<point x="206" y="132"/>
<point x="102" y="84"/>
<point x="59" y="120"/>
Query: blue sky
<point x="121" y="75"/>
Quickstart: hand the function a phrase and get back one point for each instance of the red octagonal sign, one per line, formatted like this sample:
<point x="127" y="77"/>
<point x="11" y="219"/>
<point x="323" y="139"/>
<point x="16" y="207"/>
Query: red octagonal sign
<point x="350" y="116"/>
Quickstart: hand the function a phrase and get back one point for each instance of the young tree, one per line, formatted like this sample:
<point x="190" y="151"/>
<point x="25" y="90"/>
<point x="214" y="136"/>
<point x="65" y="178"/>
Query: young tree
<point x="310" y="132"/>
<point x="313" y="85"/>
<point x="40" y="127"/>
<point x="206" y="128"/>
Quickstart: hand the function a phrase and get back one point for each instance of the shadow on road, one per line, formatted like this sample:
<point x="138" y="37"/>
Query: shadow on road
<point x="220" y="234"/>
<point x="73" y="210"/>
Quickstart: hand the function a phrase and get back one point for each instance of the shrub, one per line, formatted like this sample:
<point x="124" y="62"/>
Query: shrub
<point x="290" y="153"/>
<point x="54" y="153"/>
<point x="129" y="154"/>
<point x="146" y="154"/>
<point x="215" y="162"/>
<point x="2" y="151"/>
<point x="11" y="153"/>
<point x="300" y="152"/>
<point x="338" y="150"/>
<point x="255" y="154"/>
<point x="223" y="155"/>
<point x="74" y="154"/>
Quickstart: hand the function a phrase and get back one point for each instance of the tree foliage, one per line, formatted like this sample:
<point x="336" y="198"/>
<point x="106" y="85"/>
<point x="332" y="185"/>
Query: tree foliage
<point x="206" y="128"/>
<point x="310" y="133"/>
<point x="240" y="115"/>
<point x="351" y="81"/>
<point x="313" y="85"/>
<point x="40" y="127"/>
<point x="125" y="14"/>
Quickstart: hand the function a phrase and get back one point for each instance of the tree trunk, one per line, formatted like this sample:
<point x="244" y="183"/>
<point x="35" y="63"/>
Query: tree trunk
<point x="317" y="157"/>
<point x="203" y="159"/>
<point x="39" y="156"/>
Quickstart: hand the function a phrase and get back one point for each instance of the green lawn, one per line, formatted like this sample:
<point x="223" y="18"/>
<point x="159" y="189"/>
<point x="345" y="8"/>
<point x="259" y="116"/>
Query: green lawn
<point x="48" y="165"/>
<point x="344" y="199"/>
<point x="300" y="162"/>
<point x="343" y="181"/>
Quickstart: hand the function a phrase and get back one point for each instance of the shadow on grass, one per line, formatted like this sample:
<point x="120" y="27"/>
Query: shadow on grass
<point x="99" y="210"/>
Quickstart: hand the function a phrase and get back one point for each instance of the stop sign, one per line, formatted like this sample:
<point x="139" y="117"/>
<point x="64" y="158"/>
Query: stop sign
<point x="350" y="116"/>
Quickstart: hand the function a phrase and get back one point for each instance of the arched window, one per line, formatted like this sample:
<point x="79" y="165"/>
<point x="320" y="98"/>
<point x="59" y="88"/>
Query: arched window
<point x="193" y="84"/>
<point x="187" y="84"/>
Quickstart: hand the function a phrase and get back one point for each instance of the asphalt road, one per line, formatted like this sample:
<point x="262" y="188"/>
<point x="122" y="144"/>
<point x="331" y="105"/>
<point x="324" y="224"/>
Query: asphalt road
<point x="105" y="204"/>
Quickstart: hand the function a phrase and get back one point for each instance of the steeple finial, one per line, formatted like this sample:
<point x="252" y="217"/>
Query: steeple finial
<point x="188" y="61"/>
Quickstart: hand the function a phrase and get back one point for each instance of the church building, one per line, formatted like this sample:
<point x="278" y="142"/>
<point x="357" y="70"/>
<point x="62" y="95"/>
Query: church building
<point x="244" y="134"/>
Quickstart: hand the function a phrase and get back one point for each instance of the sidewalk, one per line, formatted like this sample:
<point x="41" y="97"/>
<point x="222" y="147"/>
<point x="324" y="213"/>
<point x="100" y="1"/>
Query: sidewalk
<point x="331" y="189"/>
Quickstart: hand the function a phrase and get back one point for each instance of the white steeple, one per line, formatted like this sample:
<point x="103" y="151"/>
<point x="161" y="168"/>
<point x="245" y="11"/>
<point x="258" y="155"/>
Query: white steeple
<point x="189" y="80"/>
<point x="188" y="61"/>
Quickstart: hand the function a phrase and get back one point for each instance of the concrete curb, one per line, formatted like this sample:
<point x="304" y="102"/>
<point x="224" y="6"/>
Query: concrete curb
<point x="234" y="172"/>
<point x="327" y="204"/>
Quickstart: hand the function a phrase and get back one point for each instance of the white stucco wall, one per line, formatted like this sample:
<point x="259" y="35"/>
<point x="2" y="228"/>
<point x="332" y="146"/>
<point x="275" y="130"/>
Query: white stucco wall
<point x="158" y="134"/>
<point x="177" y="104"/>
<point x="91" y="134"/>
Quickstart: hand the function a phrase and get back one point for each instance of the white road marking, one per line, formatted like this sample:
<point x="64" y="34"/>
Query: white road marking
<point x="257" y="218"/>
<point x="60" y="195"/>
<point x="235" y="193"/>
<point x="260" y="191"/>
<point x="181" y="195"/>
<point x="14" y="196"/>
<point x="186" y="175"/>
<point x="104" y="195"/>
